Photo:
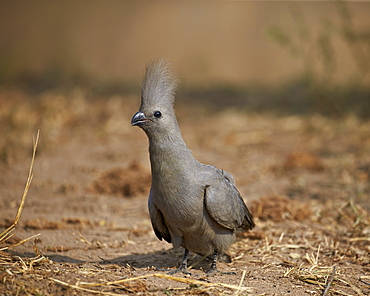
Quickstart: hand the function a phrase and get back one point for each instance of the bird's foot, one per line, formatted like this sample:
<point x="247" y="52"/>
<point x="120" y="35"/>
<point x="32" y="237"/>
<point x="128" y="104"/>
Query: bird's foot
<point x="213" y="270"/>
<point x="182" y="268"/>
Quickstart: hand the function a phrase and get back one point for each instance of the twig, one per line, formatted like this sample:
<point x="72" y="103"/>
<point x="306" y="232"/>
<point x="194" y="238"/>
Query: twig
<point x="354" y="288"/>
<point x="115" y="282"/>
<point x="20" y="243"/>
<point x="177" y="279"/>
<point x="363" y="281"/>
<point x="29" y="179"/>
<point x="9" y="232"/>
<point x="84" y="240"/>
<point x="359" y="239"/>
<point x="83" y="289"/>
<point x="237" y="292"/>
<point x="196" y="282"/>
<point x="196" y="263"/>
<point x="330" y="280"/>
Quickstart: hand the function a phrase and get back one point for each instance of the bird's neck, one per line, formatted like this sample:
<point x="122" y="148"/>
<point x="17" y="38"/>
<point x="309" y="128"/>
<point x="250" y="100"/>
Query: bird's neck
<point x="168" y="144"/>
<point x="168" y="153"/>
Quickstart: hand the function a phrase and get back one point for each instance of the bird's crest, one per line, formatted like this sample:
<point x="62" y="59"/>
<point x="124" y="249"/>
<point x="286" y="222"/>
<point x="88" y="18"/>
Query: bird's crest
<point x="159" y="85"/>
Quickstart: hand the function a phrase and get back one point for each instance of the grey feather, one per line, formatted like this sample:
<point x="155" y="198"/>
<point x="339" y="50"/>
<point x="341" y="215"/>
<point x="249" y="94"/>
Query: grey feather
<point x="191" y="204"/>
<point x="159" y="226"/>
<point x="159" y="85"/>
<point x="225" y="205"/>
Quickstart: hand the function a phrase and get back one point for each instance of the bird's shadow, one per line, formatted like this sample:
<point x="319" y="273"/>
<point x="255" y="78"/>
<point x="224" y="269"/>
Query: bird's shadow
<point x="160" y="260"/>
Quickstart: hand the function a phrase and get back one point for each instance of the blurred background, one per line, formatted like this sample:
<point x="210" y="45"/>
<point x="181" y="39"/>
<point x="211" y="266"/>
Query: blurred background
<point x="276" y="93"/>
<point x="283" y="56"/>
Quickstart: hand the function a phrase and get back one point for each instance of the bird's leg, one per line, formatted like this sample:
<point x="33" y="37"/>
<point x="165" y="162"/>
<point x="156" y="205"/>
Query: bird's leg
<point x="184" y="264"/>
<point x="213" y="269"/>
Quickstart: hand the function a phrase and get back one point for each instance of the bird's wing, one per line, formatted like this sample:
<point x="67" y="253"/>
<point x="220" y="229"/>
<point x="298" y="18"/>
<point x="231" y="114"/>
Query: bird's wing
<point x="224" y="203"/>
<point x="159" y="226"/>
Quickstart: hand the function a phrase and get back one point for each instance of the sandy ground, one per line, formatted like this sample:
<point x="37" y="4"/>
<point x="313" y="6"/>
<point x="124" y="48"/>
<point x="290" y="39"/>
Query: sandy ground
<point x="305" y="179"/>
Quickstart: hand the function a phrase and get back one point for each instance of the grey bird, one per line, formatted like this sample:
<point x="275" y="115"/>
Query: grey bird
<point x="191" y="204"/>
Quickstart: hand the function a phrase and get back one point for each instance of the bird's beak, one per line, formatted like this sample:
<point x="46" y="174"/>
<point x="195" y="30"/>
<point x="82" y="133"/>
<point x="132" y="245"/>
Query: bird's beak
<point x="138" y="119"/>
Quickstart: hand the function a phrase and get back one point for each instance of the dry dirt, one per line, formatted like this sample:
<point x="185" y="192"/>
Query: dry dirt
<point x="305" y="179"/>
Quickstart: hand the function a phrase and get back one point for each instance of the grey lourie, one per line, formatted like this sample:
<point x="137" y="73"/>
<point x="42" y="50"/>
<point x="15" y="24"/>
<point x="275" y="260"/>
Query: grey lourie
<point x="191" y="204"/>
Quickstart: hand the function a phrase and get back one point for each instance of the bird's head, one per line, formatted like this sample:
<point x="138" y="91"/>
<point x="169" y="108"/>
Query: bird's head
<point x="157" y="98"/>
<point x="153" y="118"/>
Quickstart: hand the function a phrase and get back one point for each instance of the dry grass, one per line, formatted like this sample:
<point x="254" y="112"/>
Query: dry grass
<point x="13" y="265"/>
<point x="201" y="286"/>
<point x="10" y="231"/>
<point x="316" y="259"/>
<point x="315" y="246"/>
<point x="320" y="258"/>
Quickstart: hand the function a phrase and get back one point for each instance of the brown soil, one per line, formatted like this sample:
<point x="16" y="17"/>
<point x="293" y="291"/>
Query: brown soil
<point x="305" y="179"/>
<point x="131" y="181"/>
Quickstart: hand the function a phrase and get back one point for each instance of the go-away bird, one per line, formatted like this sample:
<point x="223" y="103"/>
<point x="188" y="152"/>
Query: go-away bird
<point x="191" y="204"/>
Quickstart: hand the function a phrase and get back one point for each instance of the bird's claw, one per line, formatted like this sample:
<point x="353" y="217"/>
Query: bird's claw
<point x="213" y="270"/>
<point x="183" y="269"/>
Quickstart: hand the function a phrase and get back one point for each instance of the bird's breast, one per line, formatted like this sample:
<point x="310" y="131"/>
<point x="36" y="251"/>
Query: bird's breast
<point x="181" y="204"/>
<point x="176" y="189"/>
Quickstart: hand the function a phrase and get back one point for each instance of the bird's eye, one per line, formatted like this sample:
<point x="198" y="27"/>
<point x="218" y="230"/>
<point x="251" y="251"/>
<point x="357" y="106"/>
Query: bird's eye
<point x="157" y="114"/>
